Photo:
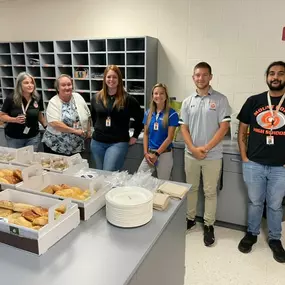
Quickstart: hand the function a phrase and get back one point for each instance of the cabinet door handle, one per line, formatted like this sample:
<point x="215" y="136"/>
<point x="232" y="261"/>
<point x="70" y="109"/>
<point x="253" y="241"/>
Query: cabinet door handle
<point x="235" y="160"/>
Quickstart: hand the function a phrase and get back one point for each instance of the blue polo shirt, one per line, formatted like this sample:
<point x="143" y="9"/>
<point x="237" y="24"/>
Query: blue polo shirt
<point x="156" y="138"/>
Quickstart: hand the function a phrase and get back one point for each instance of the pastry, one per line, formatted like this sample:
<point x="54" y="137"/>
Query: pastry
<point x="21" y="207"/>
<point x="18" y="174"/>
<point x="65" y="192"/>
<point x="40" y="211"/>
<point x="5" y="212"/>
<point x="8" y="172"/>
<point x="36" y="227"/>
<point x="48" y="189"/>
<point x="64" y="186"/>
<point x="61" y="209"/>
<point x="40" y="221"/>
<point x="56" y="188"/>
<point x="11" y="179"/>
<point x="21" y="221"/>
<point x="3" y="180"/>
<point x="86" y="194"/>
<point x="13" y="216"/>
<point x="76" y="190"/>
<point x="83" y="196"/>
<point x="30" y="215"/>
<point x="57" y="215"/>
<point x="79" y="197"/>
<point x="6" y="204"/>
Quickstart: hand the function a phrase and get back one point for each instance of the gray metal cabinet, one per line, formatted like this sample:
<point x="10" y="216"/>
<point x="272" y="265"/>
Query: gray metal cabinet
<point x="178" y="173"/>
<point x="3" y="141"/>
<point x="232" y="199"/>
<point x="134" y="158"/>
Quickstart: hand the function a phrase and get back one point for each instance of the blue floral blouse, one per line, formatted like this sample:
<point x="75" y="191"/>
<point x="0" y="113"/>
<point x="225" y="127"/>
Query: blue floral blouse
<point x="66" y="143"/>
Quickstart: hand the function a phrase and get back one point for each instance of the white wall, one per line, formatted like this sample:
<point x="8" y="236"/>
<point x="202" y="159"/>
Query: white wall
<point x="239" y="38"/>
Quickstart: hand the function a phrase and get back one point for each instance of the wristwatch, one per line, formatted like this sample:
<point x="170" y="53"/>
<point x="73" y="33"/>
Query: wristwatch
<point x="157" y="154"/>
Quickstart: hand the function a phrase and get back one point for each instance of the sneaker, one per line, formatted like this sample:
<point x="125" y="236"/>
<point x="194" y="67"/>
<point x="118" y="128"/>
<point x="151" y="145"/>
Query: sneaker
<point x="247" y="242"/>
<point x="209" y="237"/>
<point x="277" y="249"/>
<point x="190" y="224"/>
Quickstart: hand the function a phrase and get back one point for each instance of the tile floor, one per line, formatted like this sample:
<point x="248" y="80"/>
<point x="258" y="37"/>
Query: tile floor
<point x="223" y="264"/>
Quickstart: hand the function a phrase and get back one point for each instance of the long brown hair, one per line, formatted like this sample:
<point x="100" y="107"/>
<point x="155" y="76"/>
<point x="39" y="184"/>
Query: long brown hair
<point x="120" y="95"/>
<point x="152" y="105"/>
<point x="18" y="92"/>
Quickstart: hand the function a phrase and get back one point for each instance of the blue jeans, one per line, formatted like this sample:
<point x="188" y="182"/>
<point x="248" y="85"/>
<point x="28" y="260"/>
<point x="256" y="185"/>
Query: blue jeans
<point x="109" y="156"/>
<point x="18" y="143"/>
<point x="264" y="182"/>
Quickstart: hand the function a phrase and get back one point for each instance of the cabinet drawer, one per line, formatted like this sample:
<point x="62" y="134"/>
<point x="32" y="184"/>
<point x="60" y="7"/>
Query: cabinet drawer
<point x="131" y="165"/>
<point x="135" y="151"/>
<point x="232" y="163"/>
<point x="178" y="157"/>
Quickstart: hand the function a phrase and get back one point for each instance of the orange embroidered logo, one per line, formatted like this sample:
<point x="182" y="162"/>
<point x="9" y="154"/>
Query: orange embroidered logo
<point x="212" y="105"/>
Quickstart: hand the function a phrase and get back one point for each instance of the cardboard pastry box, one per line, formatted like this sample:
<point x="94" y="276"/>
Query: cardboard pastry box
<point x="40" y="240"/>
<point x="35" y="180"/>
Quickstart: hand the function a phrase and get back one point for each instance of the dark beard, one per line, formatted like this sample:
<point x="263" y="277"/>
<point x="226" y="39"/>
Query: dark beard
<point x="280" y="87"/>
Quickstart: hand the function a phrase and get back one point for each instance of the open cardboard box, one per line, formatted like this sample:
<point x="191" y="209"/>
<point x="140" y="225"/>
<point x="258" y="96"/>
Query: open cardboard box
<point x="74" y="162"/>
<point x="38" y="241"/>
<point x="12" y="155"/>
<point x="12" y="167"/>
<point x="35" y="180"/>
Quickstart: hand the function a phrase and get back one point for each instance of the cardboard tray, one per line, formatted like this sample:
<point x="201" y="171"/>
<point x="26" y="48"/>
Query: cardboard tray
<point x="38" y="241"/>
<point x="12" y="167"/>
<point x="35" y="180"/>
<point x="24" y="153"/>
<point x="75" y="162"/>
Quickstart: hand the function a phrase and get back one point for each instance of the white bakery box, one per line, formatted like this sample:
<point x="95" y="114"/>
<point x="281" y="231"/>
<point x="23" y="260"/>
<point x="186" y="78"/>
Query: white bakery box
<point x="35" y="180"/>
<point x="11" y="167"/>
<point x="38" y="241"/>
<point x="11" y="155"/>
<point x="72" y="163"/>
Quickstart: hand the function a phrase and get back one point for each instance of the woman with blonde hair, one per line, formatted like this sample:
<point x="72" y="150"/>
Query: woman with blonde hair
<point x="68" y="118"/>
<point x="160" y="123"/>
<point x="111" y="110"/>
<point x="22" y="113"/>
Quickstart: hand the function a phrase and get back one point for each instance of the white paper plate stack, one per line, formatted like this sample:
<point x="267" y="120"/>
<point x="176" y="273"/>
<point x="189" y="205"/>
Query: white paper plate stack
<point x="129" y="206"/>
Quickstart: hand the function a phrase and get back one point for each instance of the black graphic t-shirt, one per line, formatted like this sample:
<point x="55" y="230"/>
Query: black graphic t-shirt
<point x="256" y="113"/>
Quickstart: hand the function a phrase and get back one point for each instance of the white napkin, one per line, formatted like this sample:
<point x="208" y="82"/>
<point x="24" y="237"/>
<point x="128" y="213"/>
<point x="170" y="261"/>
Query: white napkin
<point x="160" y="201"/>
<point x="173" y="190"/>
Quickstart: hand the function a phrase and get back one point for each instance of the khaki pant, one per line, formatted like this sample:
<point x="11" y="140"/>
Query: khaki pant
<point x="163" y="168"/>
<point x="211" y="170"/>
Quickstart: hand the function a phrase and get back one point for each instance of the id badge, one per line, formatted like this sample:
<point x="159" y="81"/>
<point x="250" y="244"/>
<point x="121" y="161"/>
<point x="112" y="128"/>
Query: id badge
<point x="108" y="122"/>
<point x="155" y="126"/>
<point x="76" y="125"/>
<point x="26" y="130"/>
<point x="270" y="140"/>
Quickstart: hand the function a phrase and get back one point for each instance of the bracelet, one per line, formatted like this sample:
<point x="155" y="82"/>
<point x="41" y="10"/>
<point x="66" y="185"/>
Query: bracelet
<point x="157" y="154"/>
